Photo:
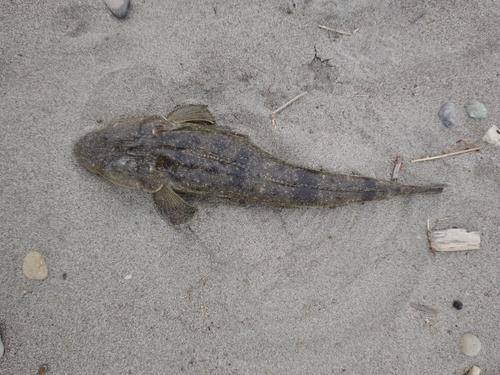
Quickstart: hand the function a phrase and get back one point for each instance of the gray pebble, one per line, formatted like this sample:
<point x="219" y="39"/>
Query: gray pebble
<point x="118" y="7"/>
<point x="475" y="109"/>
<point x="1" y="347"/>
<point x="447" y="115"/>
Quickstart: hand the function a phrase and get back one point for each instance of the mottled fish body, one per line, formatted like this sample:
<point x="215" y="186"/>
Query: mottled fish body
<point x="186" y="153"/>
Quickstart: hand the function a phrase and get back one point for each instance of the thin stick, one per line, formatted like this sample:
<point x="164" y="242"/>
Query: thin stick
<point x="446" y="155"/>
<point x="397" y="166"/>
<point x="336" y="31"/>
<point x="288" y="103"/>
<point x="204" y="278"/>
<point x="429" y="238"/>
<point x="440" y="220"/>
<point x="355" y="31"/>
<point x="418" y="17"/>
<point x="424" y="308"/>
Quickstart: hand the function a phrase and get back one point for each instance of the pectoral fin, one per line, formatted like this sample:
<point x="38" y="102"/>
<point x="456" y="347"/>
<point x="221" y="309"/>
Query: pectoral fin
<point x="172" y="207"/>
<point x="198" y="114"/>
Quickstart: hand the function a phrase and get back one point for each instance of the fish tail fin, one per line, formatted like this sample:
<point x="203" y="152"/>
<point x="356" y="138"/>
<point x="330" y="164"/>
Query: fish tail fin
<point x="436" y="188"/>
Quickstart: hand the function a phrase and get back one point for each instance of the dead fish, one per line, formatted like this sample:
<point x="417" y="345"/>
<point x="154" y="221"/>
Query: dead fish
<point x="186" y="152"/>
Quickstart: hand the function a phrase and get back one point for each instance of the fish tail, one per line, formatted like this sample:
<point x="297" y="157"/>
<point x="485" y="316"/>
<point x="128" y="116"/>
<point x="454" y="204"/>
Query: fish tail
<point x="436" y="188"/>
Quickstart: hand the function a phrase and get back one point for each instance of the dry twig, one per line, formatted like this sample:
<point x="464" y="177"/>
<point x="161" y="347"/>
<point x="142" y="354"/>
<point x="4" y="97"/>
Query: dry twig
<point x="429" y="238"/>
<point x="446" y="155"/>
<point x="336" y="31"/>
<point x="418" y="17"/>
<point x="424" y="308"/>
<point x="275" y="112"/>
<point x="204" y="278"/>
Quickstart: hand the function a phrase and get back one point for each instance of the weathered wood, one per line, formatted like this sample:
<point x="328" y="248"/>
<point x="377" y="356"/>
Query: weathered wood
<point x="455" y="239"/>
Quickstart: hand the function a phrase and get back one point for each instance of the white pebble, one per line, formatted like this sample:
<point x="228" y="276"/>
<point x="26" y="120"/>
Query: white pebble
<point x="470" y="344"/>
<point x="34" y="267"/>
<point x="128" y="277"/>
<point x="492" y="136"/>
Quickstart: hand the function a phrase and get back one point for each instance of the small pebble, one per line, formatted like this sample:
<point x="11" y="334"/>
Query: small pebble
<point x="447" y="115"/>
<point x="475" y="109"/>
<point x="492" y="136"/>
<point x="42" y="370"/>
<point x="458" y="304"/>
<point x="128" y="277"/>
<point x="118" y="7"/>
<point x="470" y="344"/>
<point x="1" y="347"/>
<point x="34" y="267"/>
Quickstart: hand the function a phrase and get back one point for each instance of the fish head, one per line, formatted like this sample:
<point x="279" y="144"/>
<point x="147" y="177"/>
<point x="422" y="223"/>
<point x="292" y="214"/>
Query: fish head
<point x="117" y="153"/>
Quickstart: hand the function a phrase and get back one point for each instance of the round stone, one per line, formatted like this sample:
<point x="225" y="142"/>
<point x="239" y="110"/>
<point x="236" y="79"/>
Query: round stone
<point x="447" y="115"/>
<point x="34" y="267"/>
<point x="470" y="344"/>
<point x="475" y="109"/>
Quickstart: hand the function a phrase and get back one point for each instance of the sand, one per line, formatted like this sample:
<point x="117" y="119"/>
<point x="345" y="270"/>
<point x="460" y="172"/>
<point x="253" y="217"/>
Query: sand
<point x="249" y="289"/>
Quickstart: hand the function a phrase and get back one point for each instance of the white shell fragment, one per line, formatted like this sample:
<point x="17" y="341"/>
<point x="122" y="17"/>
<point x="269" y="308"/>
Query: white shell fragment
<point x="447" y="115"/>
<point x="34" y="267"/>
<point x="118" y="7"/>
<point x="492" y="136"/>
<point x="455" y="239"/>
<point x="474" y="370"/>
<point x="470" y="344"/>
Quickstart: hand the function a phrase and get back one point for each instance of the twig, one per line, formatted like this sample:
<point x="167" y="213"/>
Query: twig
<point x="336" y="31"/>
<point x="429" y="238"/>
<point x="273" y="120"/>
<point x="446" y="155"/>
<point x="418" y="17"/>
<point x="355" y="31"/>
<point x="438" y="220"/>
<point x="204" y="278"/>
<point x="397" y="166"/>
<point x="424" y="308"/>
<point x="289" y="102"/>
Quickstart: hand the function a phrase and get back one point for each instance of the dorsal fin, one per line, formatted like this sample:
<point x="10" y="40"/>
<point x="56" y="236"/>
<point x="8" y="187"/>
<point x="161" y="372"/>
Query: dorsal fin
<point x="197" y="114"/>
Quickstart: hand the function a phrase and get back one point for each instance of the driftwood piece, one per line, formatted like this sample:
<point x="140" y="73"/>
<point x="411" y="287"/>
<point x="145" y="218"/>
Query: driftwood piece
<point x="455" y="239"/>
